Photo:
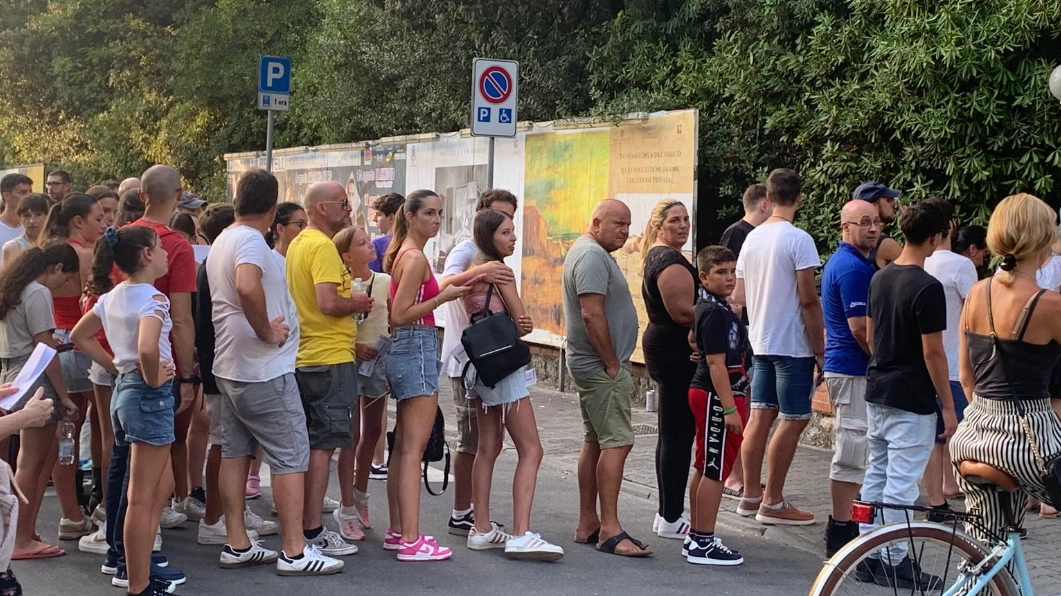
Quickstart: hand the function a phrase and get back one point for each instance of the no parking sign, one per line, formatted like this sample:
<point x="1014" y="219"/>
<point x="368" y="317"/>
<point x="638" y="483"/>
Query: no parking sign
<point x="495" y="93"/>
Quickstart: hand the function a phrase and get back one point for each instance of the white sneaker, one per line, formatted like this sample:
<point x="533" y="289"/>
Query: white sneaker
<point x="95" y="543"/>
<point x="349" y="525"/>
<point x="190" y="507"/>
<point x="217" y="534"/>
<point x="332" y="544"/>
<point x="312" y="562"/>
<point x="328" y="505"/>
<point x="171" y="519"/>
<point x="677" y="530"/>
<point x="263" y="527"/>
<point x="655" y="523"/>
<point x="255" y="555"/>
<point x="156" y="546"/>
<point x="531" y="546"/>
<point x="495" y="538"/>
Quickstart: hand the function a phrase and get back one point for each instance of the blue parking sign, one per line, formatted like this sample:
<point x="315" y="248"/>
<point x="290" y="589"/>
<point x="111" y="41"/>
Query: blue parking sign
<point x="484" y="115"/>
<point x="274" y="74"/>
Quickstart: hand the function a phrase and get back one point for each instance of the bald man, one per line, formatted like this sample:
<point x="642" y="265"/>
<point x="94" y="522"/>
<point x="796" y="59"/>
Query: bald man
<point x="324" y="366"/>
<point x="128" y="184"/>
<point x="601" y="335"/>
<point x="845" y="287"/>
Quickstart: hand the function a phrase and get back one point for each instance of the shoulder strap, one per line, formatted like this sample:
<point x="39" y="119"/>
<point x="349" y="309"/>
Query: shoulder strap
<point x="371" y="279"/>
<point x="1025" y="316"/>
<point x="990" y="316"/>
<point x="399" y="257"/>
<point x="485" y="312"/>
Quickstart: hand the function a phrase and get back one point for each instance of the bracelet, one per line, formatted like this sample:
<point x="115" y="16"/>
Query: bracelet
<point x="729" y="411"/>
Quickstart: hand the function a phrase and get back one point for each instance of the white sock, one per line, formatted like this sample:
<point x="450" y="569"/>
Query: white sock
<point x="348" y="511"/>
<point x="462" y="512"/>
<point x="360" y="497"/>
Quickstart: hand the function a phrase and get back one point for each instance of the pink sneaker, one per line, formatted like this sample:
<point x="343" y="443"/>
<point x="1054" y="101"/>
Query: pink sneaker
<point x="254" y="489"/>
<point x="424" y="549"/>
<point x="392" y="541"/>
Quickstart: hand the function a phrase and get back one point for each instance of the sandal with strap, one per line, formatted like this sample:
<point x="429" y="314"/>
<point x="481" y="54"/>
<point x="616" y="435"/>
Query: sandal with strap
<point x="609" y="545"/>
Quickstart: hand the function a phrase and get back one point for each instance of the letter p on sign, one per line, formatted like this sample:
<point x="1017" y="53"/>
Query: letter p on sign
<point x="274" y="75"/>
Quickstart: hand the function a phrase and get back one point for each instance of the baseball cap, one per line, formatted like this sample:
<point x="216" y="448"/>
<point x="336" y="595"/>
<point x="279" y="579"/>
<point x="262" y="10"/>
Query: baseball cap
<point x="871" y="191"/>
<point x="190" y="201"/>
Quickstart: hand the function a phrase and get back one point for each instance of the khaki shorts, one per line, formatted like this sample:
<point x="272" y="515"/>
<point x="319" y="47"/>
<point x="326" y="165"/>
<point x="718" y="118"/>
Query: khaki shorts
<point x="847" y="394"/>
<point x="467" y="425"/>
<point x="605" y="406"/>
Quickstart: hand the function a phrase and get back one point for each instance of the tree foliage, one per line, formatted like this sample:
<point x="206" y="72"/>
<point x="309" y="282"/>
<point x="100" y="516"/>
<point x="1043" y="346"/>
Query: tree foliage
<point x="945" y="97"/>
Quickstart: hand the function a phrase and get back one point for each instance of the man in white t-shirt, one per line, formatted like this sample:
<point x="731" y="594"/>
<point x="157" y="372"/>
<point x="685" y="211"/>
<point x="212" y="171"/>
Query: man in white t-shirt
<point x="257" y="339"/>
<point x="957" y="274"/>
<point x="775" y="283"/>
<point x="13" y="188"/>
<point x="459" y="271"/>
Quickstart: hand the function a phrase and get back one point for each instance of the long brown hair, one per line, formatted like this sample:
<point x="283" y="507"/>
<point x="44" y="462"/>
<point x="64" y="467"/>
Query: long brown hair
<point x="57" y="225"/>
<point x="28" y="266"/>
<point x="413" y="203"/>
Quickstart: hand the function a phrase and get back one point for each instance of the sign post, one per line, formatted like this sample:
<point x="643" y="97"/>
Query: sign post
<point x="274" y="92"/>
<point x="495" y="98"/>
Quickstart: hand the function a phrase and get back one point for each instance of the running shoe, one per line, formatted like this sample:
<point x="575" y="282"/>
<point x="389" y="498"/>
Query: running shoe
<point x="424" y="549"/>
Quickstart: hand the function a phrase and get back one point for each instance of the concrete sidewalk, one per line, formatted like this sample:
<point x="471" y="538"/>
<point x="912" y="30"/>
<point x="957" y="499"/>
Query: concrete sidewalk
<point x="560" y="427"/>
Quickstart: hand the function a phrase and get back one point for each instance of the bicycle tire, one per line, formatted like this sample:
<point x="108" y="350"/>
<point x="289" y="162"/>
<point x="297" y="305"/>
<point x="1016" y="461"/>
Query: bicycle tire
<point x="844" y="561"/>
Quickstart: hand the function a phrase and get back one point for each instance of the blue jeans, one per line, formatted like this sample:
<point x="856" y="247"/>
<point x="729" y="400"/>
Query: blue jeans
<point x="900" y="444"/>
<point x="783" y="383"/>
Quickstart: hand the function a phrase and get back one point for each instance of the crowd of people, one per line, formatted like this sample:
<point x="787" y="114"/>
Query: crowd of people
<point x="202" y="341"/>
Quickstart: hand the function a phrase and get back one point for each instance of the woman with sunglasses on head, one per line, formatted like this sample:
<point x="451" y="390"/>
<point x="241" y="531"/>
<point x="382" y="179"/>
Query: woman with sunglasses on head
<point x="357" y="251"/>
<point x="413" y="368"/>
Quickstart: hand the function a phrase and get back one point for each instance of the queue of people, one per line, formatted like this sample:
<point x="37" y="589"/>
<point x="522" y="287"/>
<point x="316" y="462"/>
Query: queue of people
<point x="220" y="337"/>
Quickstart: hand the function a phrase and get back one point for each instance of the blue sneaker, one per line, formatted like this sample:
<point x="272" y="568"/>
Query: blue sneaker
<point x="110" y="567"/>
<point x="172" y="577"/>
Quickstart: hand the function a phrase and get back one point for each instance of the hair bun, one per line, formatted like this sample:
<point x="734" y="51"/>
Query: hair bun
<point x="1009" y="262"/>
<point x="110" y="236"/>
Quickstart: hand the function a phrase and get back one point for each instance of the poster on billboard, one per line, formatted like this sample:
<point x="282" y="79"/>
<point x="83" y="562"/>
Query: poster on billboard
<point x="34" y="171"/>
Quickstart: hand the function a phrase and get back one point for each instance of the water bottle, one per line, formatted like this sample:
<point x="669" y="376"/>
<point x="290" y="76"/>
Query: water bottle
<point x="66" y="444"/>
<point x="650" y="400"/>
<point x="359" y="288"/>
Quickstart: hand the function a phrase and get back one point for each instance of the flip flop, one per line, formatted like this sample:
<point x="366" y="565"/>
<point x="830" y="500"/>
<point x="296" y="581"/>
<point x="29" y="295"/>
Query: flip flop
<point x="591" y="539"/>
<point x="608" y="546"/>
<point x="733" y="494"/>
<point x="48" y="552"/>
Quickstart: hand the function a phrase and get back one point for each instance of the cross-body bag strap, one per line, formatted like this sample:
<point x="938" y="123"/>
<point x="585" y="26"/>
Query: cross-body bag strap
<point x="1018" y="332"/>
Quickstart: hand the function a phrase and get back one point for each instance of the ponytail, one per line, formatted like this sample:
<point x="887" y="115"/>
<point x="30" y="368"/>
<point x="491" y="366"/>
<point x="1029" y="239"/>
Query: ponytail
<point x="57" y="224"/>
<point x="28" y="266"/>
<point x="413" y="203"/>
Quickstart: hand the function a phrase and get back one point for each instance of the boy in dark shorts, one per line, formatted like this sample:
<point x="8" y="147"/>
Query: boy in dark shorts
<point x="717" y="398"/>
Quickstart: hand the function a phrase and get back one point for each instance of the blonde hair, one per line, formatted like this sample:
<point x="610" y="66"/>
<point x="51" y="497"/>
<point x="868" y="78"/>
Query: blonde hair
<point x="344" y="238"/>
<point x="655" y="221"/>
<point x="1022" y="227"/>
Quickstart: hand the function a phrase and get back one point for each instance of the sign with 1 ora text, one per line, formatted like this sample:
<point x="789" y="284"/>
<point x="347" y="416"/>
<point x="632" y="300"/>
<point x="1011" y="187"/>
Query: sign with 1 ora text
<point x="495" y="94"/>
<point x="274" y="83"/>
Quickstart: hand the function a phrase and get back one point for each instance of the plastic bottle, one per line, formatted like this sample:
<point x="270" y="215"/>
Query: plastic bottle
<point x="650" y="400"/>
<point x="66" y="444"/>
<point x="359" y="288"/>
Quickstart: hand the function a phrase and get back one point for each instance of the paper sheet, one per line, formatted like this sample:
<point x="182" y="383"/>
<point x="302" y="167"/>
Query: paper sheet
<point x="383" y="343"/>
<point x="38" y="361"/>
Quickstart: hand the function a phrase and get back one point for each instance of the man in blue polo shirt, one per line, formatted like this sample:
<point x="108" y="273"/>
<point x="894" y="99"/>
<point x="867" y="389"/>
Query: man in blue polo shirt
<point x="845" y="287"/>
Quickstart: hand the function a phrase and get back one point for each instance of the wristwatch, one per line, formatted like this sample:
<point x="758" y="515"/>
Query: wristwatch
<point x="194" y="380"/>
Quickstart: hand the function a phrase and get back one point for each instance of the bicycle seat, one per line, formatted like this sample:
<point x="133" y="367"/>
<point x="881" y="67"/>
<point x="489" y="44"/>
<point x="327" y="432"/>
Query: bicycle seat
<point x="985" y="475"/>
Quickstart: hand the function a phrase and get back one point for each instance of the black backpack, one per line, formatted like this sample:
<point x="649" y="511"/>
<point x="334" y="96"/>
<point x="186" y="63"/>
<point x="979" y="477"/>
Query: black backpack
<point x="493" y="345"/>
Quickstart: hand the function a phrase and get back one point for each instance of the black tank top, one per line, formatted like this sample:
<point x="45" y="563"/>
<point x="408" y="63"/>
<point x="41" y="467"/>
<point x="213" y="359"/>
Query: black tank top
<point x="873" y="252"/>
<point x="665" y="342"/>
<point x="1029" y="366"/>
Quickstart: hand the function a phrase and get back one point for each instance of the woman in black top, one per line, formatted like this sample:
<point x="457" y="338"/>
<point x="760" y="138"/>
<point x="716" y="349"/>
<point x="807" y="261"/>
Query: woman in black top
<point x="1010" y="344"/>
<point x="669" y="288"/>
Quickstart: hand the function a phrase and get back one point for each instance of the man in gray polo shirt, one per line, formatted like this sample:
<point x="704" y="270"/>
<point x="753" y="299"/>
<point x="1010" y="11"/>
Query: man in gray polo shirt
<point x="601" y="336"/>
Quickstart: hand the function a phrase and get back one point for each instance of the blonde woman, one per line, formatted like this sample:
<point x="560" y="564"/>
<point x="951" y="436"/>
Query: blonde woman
<point x="1016" y="366"/>
<point x="669" y="288"/>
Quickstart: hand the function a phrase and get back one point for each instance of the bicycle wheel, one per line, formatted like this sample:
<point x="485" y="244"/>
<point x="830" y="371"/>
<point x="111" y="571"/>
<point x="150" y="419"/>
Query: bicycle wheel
<point x="940" y="551"/>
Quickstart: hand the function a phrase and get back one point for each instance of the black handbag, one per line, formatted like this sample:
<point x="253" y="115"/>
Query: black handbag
<point x="1049" y="470"/>
<point x="493" y="345"/>
<point x="437" y="449"/>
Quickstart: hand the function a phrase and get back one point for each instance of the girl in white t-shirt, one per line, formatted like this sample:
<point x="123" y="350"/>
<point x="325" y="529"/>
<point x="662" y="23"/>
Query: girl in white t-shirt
<point x="357" y="251"/>
<point x="135" y="316"/>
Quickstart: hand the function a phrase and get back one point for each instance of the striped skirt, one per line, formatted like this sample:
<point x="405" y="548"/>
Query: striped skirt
<point x="991" y="433"/>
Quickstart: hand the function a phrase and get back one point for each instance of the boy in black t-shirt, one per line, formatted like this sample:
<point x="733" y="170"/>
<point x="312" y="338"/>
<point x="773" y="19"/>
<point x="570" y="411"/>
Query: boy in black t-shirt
<point x="717" y="398"/>
<point x="907" y="314"/>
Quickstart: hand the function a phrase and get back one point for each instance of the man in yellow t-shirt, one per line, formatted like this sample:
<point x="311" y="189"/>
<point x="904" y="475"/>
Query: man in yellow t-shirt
<point x="324" y="368"/>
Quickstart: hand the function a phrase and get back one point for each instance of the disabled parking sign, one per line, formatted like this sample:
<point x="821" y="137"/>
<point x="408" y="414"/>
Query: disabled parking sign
<point x="495" y="94"/>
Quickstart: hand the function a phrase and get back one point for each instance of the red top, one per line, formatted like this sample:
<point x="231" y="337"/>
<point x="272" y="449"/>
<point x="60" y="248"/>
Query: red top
<point x="428" y="290"/>
<point x="67" y="308"/>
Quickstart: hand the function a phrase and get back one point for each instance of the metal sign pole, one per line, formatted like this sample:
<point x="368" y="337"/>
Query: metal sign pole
<point x="269" y="143"/>
<point x="490" y="165"/>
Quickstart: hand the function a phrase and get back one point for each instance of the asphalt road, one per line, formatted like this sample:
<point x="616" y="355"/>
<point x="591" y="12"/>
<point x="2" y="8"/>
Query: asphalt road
<point x="769" y="568"/>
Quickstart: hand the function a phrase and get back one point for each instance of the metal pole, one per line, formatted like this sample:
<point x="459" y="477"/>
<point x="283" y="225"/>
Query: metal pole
<point x="269" y="143"/>
<point x="490" y="165"/>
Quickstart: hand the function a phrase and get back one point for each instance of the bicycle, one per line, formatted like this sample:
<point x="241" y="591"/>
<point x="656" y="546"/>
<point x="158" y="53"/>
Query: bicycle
<point x="969" y="566"/>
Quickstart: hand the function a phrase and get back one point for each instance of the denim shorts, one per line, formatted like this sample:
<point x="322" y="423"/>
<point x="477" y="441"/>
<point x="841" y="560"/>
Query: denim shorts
<point x="783" y="383"/>
<point x="960" y="403"/>
<point x="508" y="390"/>
<point x="141" y="413"/>
<point x="412" y="364"/>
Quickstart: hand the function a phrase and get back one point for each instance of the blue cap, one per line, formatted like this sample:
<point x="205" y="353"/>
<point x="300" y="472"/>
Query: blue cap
<point x="871" y="191"/>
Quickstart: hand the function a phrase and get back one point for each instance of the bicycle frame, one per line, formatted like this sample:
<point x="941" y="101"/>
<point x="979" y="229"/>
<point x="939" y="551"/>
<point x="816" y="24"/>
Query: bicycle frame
<point x="1003" y="554"/>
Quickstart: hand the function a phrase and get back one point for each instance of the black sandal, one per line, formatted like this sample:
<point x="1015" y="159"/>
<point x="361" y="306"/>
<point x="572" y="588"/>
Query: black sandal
<point x="608" y="546"/>
<point x="591" y="539"/>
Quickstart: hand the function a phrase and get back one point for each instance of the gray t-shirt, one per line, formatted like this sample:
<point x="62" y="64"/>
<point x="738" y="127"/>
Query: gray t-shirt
<point x="589" y="269"/>
<point x="33" y="315"/>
